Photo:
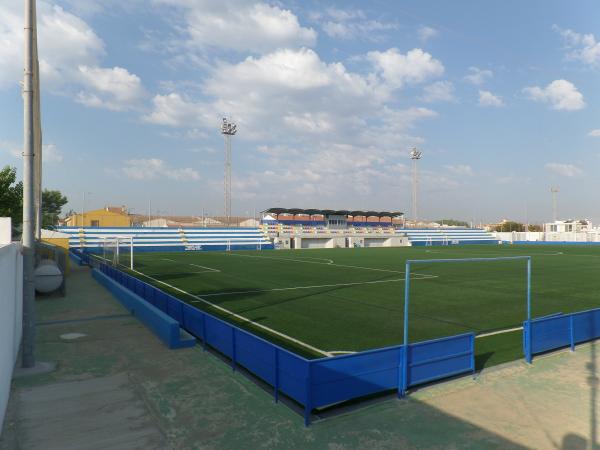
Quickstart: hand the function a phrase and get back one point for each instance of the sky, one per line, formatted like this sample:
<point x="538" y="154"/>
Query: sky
<point x="502" y="98"/>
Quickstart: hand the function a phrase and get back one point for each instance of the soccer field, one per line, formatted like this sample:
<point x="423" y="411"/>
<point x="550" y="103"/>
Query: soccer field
<point x="331" y="301"/>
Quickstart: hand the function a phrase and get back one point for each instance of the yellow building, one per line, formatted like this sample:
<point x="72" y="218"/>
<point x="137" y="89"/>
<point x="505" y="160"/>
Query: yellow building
<point x="107" y="217"/>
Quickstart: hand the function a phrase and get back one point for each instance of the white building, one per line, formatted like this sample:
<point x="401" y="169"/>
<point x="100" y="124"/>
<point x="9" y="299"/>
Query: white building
<point x="568" y="226"/>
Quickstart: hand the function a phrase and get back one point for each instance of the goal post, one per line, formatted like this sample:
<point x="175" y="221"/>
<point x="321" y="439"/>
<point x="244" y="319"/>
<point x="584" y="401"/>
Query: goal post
<point x="118" y="251"/>
<point x="408" y="265"/>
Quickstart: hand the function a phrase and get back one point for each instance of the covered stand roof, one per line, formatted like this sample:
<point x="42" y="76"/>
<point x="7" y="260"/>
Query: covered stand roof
<point x="332" y="212"/>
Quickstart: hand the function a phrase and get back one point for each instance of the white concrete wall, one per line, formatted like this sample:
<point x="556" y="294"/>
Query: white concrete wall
<point x="11" y="316"/>
<point x="5" y="230"/>
<point x="590" y="236"/>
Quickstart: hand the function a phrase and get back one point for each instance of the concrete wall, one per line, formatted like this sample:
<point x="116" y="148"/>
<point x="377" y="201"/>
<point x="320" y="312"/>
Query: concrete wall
<point x="590" y="236"/>
<point x="11" y="316"/>
<point x="306" y="241"/>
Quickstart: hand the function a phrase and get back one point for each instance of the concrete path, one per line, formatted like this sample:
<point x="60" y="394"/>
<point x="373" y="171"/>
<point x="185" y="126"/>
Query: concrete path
<point x="115" y="380"/>
<point x="100" y="413"/>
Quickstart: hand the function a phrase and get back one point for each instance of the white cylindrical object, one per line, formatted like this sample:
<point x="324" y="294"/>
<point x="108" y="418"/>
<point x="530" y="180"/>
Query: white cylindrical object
<point x="48" y="277"/>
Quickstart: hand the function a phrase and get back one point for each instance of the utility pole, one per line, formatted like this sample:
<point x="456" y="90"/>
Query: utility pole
<point x="28" y="356"/>
<point x="228" y="129"/>
<point x="554" y="190"/>
<point x="37" y="131"/>
<point x="415" y="156"/>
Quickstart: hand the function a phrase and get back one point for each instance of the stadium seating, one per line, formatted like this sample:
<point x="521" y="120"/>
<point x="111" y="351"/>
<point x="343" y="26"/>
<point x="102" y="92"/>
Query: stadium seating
<point x="447" y="236"/>
<point x="92" y="239"/>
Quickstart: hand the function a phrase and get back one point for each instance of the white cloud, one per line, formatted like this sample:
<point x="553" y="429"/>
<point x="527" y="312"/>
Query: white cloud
<point x="561" y="94"/>
<point x="314" y="121"/>
<point x="594" y="133"/>
<point x="566" y="170"/>
<point x="486" y="98"/>
<point x="152" y="168"/>
<point x="51" y="154"/>
<point x="114" y="89"/>
<point x="425" y="33"/>
<point x="398" y="69"/>
<point x="582" y="47"/>
<point x="440" y="91"/>
<point x="241" y="26"/>
<point x="460" y="169"/>
<point x="175" y="110"/>
<point x="478" y="76"/>
<point x="64" y="40"/>
<point x="352" y="24"/>
<point x="70" y="54"/>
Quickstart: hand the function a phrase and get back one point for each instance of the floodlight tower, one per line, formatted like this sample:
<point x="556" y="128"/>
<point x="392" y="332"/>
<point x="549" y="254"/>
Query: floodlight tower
<point x="415" y="156"/>
<point x="228" y="129"/>
<point x="554" y="190"/>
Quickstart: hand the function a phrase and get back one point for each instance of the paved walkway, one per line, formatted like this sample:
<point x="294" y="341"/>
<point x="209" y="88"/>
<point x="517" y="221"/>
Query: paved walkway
<point x="117" y="386"/>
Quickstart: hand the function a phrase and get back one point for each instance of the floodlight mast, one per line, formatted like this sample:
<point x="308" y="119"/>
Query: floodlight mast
<point x="415" y="156"/>
<point x="228" y="129"/>
<point x="554" y="190"/>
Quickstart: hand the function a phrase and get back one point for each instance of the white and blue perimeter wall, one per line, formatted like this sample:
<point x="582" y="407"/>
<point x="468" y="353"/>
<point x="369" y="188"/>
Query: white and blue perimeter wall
<point x="93" y="239"/>
<point x="447" y="236"/>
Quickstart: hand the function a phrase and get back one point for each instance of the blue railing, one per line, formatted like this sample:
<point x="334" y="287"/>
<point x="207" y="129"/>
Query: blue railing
<point x="314" y="383"/>
<point x="560" y="330"/>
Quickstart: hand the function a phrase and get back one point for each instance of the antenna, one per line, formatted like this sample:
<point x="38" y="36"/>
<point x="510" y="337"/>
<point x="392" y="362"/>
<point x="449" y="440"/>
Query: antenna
<point x="415" y="156"/>
<point x="228" y="129"/>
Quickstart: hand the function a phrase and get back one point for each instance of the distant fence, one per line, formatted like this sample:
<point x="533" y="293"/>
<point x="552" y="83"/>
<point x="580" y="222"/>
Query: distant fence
<point x="312" y="383"/>
<point x="11" y="316"/>
<point x="560" y="330"/>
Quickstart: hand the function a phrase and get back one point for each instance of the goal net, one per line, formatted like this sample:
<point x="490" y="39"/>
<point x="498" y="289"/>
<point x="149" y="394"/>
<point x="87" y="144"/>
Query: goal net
<point x="118" y="251"/>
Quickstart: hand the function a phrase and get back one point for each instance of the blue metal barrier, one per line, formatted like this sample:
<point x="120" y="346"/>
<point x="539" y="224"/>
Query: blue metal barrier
<point x="164" y="327"/>
<point x="312" y="383"/>
<point x="561" y="330"/>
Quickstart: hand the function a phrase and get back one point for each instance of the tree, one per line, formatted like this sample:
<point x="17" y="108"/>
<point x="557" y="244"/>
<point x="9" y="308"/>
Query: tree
<point x="11" y="196"/>
<point x="52" y="203"/>
<point x="11" y="201"/>
<point x="453" y="222"/>
<point x="509" y="226"/>
<point x="533" y="227"/>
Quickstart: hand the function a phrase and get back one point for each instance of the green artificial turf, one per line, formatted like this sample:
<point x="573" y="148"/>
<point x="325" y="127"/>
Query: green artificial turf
<point x="353" y="299"/>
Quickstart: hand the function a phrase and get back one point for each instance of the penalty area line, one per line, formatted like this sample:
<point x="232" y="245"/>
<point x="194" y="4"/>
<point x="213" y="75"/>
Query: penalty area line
<point x="208" y="269"/>
<point x="357" y="283"/>
<point x="241" y="318"/>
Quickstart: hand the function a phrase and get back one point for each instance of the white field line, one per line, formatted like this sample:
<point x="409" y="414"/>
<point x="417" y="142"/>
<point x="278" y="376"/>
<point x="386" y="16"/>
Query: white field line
<point x="330" y="264"/>
<point x="341" y="352"/>
<point x="305" y="287"/>
<point x="493" y="333"/>
<point x="241" y="318"/>
<point x="208" y="269"/>
<point x="167" y="259"/>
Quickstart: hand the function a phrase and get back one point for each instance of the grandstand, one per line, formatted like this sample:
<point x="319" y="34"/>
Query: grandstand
<point x="92" y="239"/>
<point x="315" y="228"/>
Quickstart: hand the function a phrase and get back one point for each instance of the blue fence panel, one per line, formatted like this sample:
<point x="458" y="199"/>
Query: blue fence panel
<point x="175" y="308"/>
<point x="549" y="333"/>
<point x="257" y="355"/>
<point x="293" y="374"/>
<point x="193" y="321"/>
<point x="440" y="358"/>
<point x="219" y="335"/>
<point x="350" y="376"/>
<point x="586" y="326"/>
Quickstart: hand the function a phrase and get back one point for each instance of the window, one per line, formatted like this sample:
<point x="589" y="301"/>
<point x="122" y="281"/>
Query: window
<point x="95" y="223"/>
